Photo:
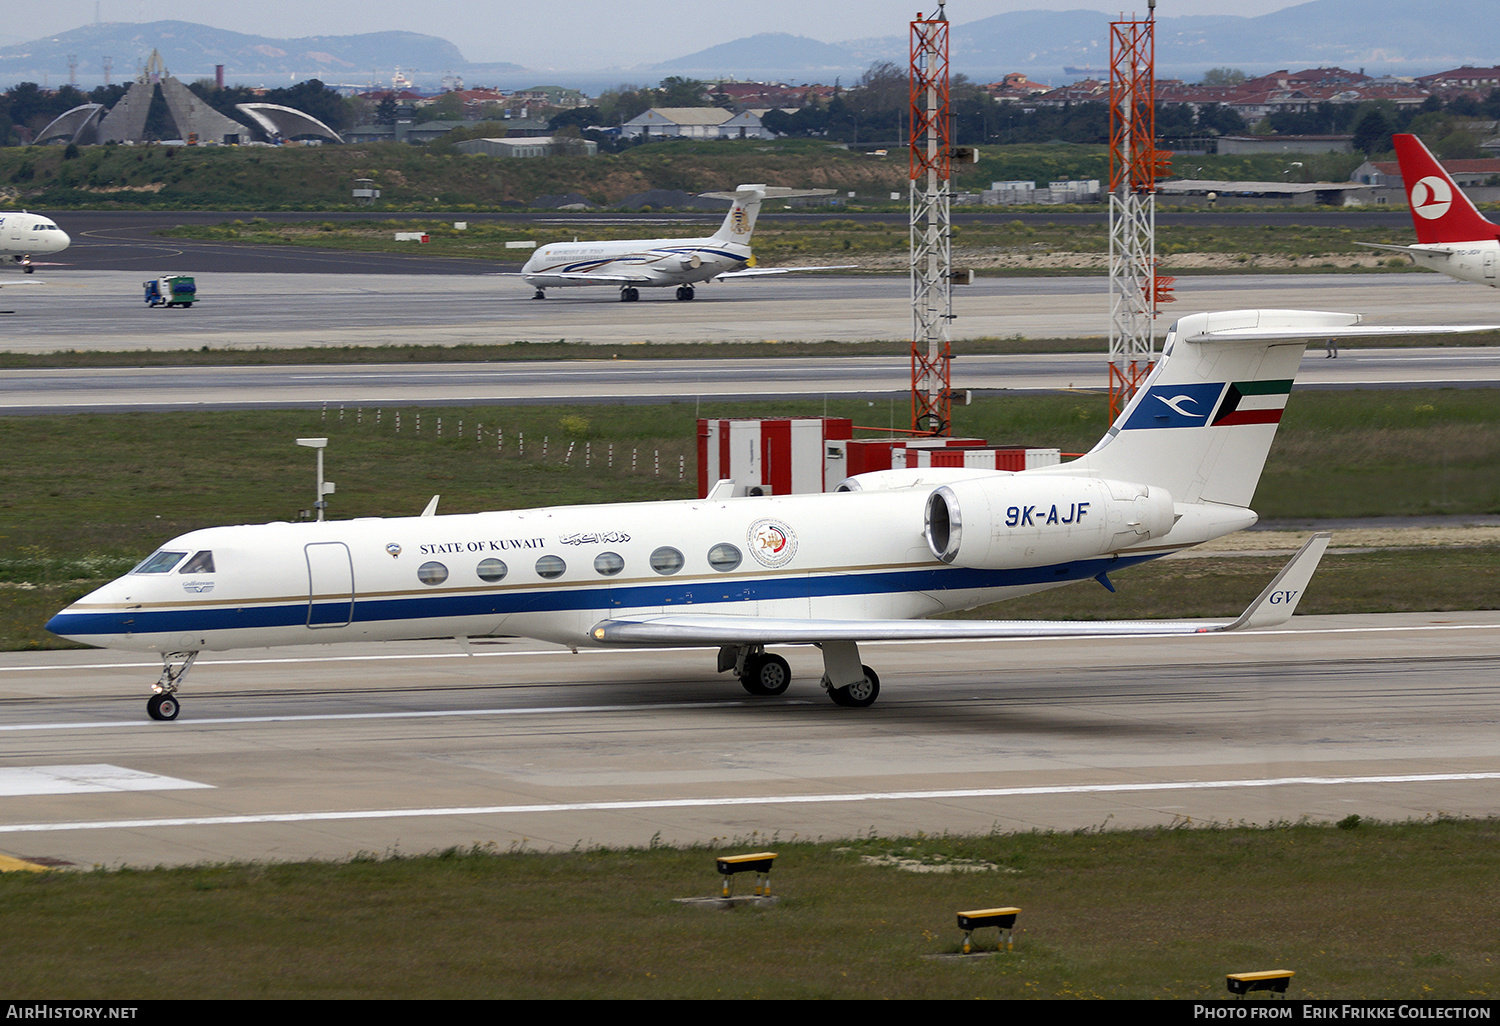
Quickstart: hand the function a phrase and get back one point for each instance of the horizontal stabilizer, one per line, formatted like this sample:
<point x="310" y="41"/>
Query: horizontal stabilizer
<point x="1306" y="325"/>
<point x="767" y="192"/>
<point x="1411" y="250"/>
<point x="1273" y="606"/>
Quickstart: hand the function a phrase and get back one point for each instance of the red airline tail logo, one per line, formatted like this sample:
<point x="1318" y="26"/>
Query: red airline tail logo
<point x="1440" y="211"/>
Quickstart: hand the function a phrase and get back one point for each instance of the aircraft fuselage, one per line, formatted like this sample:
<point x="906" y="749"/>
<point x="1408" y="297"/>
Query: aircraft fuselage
<point x="1468" y="261"/>
<point x="647" y="263"/>
<point x="552" y="574"/>
<point x="23" y="235"/>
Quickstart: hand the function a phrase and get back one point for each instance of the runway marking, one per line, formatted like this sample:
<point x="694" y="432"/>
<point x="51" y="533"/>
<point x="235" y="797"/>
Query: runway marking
<point x="409" y="715"/>
<point x="89" y="778"/>
<point x="719" y="802"/>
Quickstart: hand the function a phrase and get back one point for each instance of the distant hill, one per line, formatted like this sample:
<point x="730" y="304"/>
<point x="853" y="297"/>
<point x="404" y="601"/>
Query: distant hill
<point x="192" y="50"/>
<point x="1381" y="36"/>
<point x="765" y="50"/>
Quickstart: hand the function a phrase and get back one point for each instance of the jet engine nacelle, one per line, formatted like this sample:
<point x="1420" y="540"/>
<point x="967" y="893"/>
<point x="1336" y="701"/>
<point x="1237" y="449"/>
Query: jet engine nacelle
<point x="691" y="262"/>
<point x="997" y="523"/>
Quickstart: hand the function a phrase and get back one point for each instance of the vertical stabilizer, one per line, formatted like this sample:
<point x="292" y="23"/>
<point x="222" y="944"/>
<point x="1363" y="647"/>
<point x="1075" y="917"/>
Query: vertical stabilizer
<point x="1203" y="421"/>
<point x="1439" y="209"/>
<point x="739" y="223"/>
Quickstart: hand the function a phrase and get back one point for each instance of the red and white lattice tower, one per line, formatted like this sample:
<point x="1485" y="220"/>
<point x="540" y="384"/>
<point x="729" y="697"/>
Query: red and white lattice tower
<point x="931" y="228"/>
<point x="1135" y="290"/>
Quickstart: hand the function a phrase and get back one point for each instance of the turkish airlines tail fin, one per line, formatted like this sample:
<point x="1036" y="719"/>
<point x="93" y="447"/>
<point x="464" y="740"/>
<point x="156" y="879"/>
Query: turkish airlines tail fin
<point x="1439" y="209"/>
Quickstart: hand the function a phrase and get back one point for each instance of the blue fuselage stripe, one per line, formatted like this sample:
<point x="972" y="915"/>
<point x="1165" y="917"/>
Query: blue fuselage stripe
<point x="601" y="597"/>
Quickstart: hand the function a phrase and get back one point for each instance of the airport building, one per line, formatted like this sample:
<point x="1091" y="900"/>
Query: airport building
<point x="192" y="118"/>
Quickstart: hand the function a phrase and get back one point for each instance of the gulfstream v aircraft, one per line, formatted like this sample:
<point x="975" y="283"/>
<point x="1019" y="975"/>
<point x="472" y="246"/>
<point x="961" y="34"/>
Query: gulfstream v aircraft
<point x="870" y="562"/>
<point x="1452" y="236"/>
<point x="638" y="264"/>
<point x="24" y="235"/>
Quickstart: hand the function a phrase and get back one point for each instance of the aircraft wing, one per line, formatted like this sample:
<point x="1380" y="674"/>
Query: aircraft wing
<point x="1428" y="249"/>
<point x="758" y="272"/>
<point x="1274" y="606"/>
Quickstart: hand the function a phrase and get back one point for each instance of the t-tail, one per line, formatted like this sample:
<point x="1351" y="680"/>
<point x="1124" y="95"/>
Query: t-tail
<point x="739" y="223"/>
<point x="1202" y="424"/>
<point x="1439" y="209"/>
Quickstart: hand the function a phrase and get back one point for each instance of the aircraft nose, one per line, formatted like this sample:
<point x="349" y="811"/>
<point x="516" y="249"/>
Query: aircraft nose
<point x="63" y="239"/>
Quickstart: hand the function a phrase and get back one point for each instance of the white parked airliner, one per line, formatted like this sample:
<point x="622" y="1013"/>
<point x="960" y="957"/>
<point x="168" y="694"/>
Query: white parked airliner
<point x="25" y="235"/>
<point x="1452" y="236"/>
<point x="636" y="264"/>
<point x="872" y="562"/>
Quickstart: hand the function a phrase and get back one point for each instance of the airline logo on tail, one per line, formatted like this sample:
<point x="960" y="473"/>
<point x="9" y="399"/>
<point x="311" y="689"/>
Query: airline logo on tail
<point x="1431" y="197"/>
<point x="1190" y="405"/>
<point x="739" y="223"/>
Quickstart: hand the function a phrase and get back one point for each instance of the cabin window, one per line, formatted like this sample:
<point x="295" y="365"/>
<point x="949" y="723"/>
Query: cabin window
<point x="609" y="563"/>
<point x="550" y="567"/>
<point x="491" y="570"/>
<point x="666" y="560"/>
<point x="159" y="562"/>
<point x="432" y="573"/>
<point x="724" y="557"/>
<point x="201" y="563"/>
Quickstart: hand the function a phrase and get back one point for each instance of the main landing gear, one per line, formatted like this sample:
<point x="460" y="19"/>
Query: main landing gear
<point x="629" y="294"/>
<point x="849" y="683"/>
<point x="539" y="294"/>
<point x="685" y="292"/>
<point x="164" y="705"/>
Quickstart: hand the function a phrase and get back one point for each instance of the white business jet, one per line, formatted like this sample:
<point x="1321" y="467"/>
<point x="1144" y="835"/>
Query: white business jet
<point x="636" y="264"/>
<point x="24" y="235"/>
<point x="867" y="563"/>
<point x="1452" y="236"/>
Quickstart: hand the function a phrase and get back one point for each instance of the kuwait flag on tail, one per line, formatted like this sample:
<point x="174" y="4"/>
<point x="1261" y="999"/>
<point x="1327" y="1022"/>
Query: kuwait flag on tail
<point x="1252" y="402"/>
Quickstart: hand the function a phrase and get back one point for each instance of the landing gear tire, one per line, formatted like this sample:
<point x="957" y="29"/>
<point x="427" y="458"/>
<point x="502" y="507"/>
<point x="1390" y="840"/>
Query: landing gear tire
<point x="766" y="675"/>
<point x="162" y="707"/>
<point x="859" y="695"/>
<point x="630" y="294"/>
<point x="685" y="292"/>
<point x="539" y="294"/>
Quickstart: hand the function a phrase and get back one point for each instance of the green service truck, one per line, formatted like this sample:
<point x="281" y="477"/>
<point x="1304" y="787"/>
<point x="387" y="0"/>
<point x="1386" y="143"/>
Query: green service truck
<point x="171" y="290"/>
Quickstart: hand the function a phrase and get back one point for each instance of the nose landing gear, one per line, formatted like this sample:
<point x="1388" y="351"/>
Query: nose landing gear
<point x="164" y="705"/>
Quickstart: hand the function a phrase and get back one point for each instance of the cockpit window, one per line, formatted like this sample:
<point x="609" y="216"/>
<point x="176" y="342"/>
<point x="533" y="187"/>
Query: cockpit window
<point x="202" y="563"/>
<point x="159" y="562"/>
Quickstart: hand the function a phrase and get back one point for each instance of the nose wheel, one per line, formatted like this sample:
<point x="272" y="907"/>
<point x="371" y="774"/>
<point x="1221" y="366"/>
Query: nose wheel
<point x="162" y="707"/>
<point x="174" y="666"/>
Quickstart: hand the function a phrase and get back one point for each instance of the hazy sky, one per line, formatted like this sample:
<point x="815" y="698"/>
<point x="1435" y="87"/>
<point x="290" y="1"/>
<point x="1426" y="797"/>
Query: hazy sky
<point x="579" y="34"/>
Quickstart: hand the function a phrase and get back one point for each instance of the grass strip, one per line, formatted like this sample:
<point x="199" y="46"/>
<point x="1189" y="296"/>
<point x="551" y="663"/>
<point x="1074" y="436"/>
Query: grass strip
<point x="1162" y="913"/>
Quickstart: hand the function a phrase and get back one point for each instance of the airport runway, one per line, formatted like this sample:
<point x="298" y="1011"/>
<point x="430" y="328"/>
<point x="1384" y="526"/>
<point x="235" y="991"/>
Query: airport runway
<point x="103" y="310"/>
<point x="413" y="747"/>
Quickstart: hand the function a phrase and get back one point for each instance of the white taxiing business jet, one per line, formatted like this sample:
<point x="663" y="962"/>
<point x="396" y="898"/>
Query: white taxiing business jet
<point x="871" y="562"/>
<point x="635" y="264"/>
<point x="1452" y="236"/>
<point x="24" y="235"/>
